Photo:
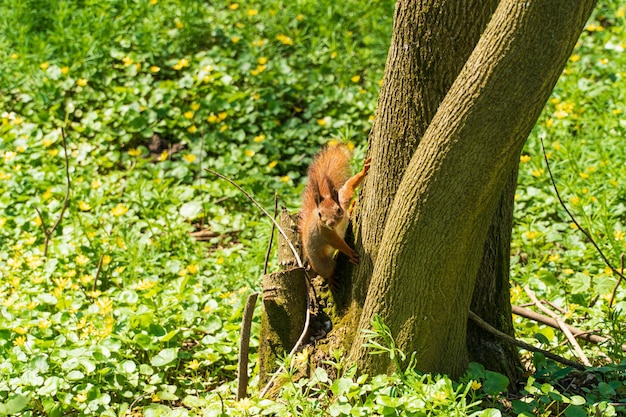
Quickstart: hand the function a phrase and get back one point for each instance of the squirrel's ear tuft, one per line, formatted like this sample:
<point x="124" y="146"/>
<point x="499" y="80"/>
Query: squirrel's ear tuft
<point x="334" y="194"/>
<point x="315" y="187"/>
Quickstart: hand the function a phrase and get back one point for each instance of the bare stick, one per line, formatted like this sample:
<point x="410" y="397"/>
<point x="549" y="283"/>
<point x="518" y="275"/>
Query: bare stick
<point x="587" y="234"/>
<point x="48" y="232"/>
<point x="486" y="326"/>
<point x="244" y="346"/>
<point x="561" y="324"/>
<point x="548" y="321"/>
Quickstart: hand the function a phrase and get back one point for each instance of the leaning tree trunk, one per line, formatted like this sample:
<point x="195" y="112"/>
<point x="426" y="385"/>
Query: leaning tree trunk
<point x="440" y="44"/>
<point x="425" y="268"/>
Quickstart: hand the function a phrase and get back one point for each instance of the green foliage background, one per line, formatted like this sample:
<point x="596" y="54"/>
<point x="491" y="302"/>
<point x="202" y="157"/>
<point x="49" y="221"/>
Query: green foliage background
<point x="128" y="314"/>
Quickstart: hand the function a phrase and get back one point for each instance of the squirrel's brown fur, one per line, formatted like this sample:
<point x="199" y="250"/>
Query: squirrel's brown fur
<point x="325" y="204"/>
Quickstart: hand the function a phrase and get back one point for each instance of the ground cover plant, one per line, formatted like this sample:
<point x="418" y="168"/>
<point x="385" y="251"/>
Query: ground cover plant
<point x="122" y="312"/>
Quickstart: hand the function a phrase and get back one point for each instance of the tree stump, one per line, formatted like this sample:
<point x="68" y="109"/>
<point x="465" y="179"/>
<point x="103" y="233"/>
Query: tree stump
<point x="284" y="295"/>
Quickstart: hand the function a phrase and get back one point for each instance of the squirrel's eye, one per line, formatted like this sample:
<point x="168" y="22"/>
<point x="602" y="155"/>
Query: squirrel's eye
<point x="319" y="213"/>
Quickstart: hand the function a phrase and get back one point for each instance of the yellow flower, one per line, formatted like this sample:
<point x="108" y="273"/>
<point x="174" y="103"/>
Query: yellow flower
<point x="47" y="195"/>
<point x="65" y="70"/>
<point x="284" y="39"/>
<point x="619" y="234"/>
<point x="3" y="221"/>
<point x="188" y="115"/>
<point x="537" y="172"/>
<point x="258" y="43"/>
<point x="272" y="164"/>
<point x="285" y="178"/>
<point x="189" y="157"/>
<point x="192" y="129"/>
<point x="321" y="122"/>
<point x="119" y="210"/>
<point x="531" y="234"/>
<point x="195" y="106"/>
<point x="212" y="119"/>
<point x="262" y="60"/>
<point x="252" y="12"/>
<point x="105" y="305"/>
<point x="193" y="268"/>
<point x="83" y="206"/>
<point x="561" y="114"/>
<point x="555" y="257"/>
<point x="106" y="259"/>
<point x="574" y="199"/>
<point x="223" y="128"/>
<point x="300" y="18"/>
<point x="184" y="62"/>
<point x="82" y="82"/>
<point x="95" y="184"/>
<point x="179" y="24"/>
<point x="574" y="58"/>
<point x="222" y="115"/>
<point x="82" y="397"/>
<point x="249" y="153"/>
<point x="20" y="330"/>
<point x="233" y="6"/>
<point x="333" y="55"/>
<point x="47" y="142"/>
<point x="260" y="138"/>
<point x="127" y="61"/>
<point x="163" y="156"/>
<point x="568" y="271"/>
<point x="145" y="284"/>
<point x="19" y="341"/>
<point x="155" y="69"/>
<point x="476" y="385"/>
<point x="82" y="260"/>
<point x="604" y="61"/>
<point x="153" y="2"/>
<point x="44" y="65"/>
<point x="524" y="158"/>
<point x="86" y="279"/>
<point x="44" y="323"/>
<point x="14" y="56"/>
<point x="356" y="78"/>
<point x="193" y="365"/>
<point x="134" y="152"/>
<point x="549" y="122"/>
<point x="235" y="39"/>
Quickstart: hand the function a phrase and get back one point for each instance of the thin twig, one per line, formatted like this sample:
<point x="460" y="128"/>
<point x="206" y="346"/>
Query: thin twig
<point x="256" y="203"/>
<point x="486" y="326"/>
<point x="269" y="246"/>
<point x="587" y="234"/>
<point x="621" y="258"/>
<point x="48" y="232"/>
<point x="98" y="270"/>
<point x="561" y="324"/>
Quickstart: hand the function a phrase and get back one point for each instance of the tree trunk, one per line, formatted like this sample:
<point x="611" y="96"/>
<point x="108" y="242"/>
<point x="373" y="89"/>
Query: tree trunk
<point x="437" y="221"/>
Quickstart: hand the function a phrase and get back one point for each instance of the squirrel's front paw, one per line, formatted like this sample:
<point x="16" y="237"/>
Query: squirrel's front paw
<point x="354" y="258"/>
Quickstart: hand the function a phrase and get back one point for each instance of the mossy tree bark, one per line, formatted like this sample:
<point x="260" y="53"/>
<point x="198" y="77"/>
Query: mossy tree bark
<point x="440" y="166"/>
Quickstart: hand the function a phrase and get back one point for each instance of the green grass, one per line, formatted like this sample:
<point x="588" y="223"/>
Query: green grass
<point x="129" y="313"/>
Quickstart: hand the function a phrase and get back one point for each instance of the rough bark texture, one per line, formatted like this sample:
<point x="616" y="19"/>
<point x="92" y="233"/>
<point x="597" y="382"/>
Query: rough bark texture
<point x="491" y="298"/>
<point x="437" y="226"/>
<point x="431" y="42"/>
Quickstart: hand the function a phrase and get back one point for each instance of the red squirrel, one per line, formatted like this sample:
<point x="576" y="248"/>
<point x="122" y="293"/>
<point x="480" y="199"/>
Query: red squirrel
<point x="325" y="204"/>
